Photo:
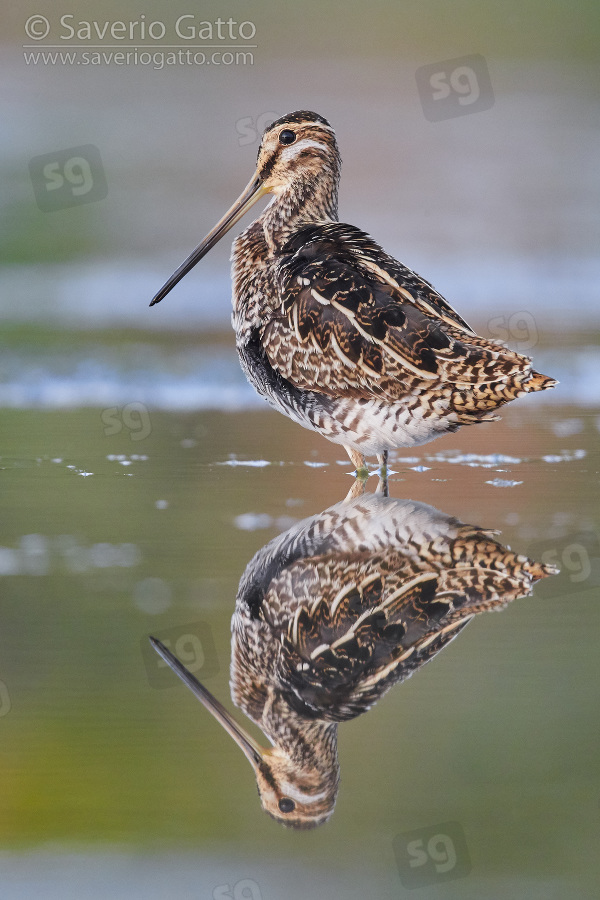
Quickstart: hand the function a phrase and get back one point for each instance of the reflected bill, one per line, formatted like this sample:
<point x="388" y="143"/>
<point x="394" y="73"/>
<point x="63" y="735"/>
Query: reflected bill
<point x="334" y="612"/>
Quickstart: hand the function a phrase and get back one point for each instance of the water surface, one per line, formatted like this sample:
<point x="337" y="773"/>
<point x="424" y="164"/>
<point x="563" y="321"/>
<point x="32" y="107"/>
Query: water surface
<point x="107" y="537"/>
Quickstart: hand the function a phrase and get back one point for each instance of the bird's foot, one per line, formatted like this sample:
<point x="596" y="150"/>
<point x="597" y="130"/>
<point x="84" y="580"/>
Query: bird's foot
<point x="359" y="463"/>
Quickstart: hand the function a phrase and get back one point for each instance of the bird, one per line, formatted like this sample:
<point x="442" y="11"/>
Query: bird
<point x="336" y="333"/>
<point x="334" y="612"/>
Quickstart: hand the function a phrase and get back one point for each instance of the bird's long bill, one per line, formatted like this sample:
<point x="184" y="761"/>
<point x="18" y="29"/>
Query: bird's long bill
<point x="253" y="192"/>
<point x="251" y="749"/>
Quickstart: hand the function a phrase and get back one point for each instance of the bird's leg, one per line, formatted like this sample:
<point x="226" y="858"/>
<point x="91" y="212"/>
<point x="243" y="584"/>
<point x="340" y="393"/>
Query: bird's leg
<point x="358" y="461"/>
<point x="382" y="459"/>
<point x="382" y="487"/>
<point x="357" y="489"/>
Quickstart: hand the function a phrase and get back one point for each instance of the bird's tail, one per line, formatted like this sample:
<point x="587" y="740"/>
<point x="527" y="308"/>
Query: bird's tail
<point x="538" y="382"/>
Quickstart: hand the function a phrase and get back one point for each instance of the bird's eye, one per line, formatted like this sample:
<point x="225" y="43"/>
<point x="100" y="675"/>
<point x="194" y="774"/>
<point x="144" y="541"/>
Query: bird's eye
<point x="286" y="805"/>
<point x="287" y="136"/>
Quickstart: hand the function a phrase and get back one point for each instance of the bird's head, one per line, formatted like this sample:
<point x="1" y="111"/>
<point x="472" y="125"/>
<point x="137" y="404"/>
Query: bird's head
<point x="300" y="146"/>
<point x="297" y="152"/>
<point x="296" y="795"/>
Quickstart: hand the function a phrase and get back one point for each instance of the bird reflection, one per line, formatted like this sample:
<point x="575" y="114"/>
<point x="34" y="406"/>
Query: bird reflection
<point x="331" y="614"/>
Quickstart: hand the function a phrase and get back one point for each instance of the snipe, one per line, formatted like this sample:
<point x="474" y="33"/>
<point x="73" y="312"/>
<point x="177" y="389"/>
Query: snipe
<point x="336" y="333"/>
<point x="334" y="612"/>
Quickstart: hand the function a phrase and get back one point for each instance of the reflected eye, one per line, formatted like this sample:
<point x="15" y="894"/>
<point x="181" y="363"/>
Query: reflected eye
<point x="285" y="804"/>
<point x="287" y="136"/>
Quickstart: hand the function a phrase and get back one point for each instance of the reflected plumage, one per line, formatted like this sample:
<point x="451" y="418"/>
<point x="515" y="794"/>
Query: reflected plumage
<point x="335" y="611"/>
<point x="336" y="333"/>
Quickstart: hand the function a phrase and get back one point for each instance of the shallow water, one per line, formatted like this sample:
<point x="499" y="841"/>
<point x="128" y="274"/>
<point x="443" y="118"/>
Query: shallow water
<point x="141" y="473"/>
<point x="110" y="534"/>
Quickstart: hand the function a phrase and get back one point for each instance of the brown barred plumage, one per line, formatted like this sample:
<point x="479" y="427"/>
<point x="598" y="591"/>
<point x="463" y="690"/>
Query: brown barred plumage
<point x="332" y="330"/>
<point x="334" y="612"/>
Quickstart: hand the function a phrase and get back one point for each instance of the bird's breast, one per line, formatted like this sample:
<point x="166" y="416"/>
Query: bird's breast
<point x="255" y="293"/>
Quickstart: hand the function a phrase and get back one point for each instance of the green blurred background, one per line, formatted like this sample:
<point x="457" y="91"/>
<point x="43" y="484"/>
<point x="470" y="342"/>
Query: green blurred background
<point x="131" y="503"/>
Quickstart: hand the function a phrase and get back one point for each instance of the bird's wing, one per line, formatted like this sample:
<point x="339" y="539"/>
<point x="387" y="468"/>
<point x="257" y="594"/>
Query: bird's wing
<point x="346" y="326"/>
<point x="367" y="630"/>
<point x="408" y="284"/>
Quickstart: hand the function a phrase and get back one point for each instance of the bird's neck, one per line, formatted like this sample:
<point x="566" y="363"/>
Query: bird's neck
<point x="310" y="743"/>
<point x="305" y="201"/>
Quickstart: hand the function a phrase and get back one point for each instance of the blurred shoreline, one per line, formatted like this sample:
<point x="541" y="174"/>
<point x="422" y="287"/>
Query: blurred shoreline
<point x="45" y="368"/>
